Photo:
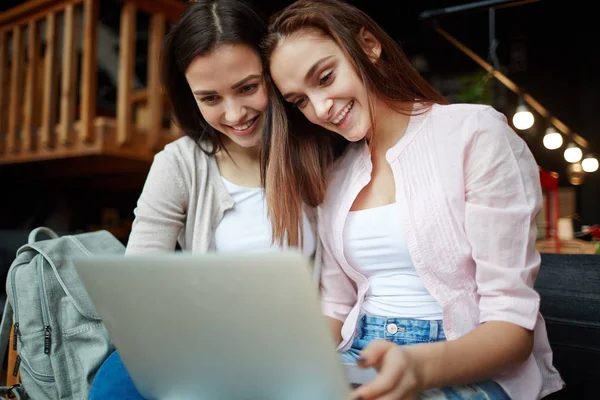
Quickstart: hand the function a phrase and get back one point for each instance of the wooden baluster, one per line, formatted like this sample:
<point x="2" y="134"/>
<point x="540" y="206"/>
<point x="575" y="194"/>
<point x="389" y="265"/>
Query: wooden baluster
<point x="15" y="91"/>
<point x="49" y="93"/>
<point x="28" y="131"/>
<point x="155" y="96"/>
<point x="88" y="75"/>
<point x="69" y="77"/>
<point x="126" y="65"/>
<point x="3" y="48"/>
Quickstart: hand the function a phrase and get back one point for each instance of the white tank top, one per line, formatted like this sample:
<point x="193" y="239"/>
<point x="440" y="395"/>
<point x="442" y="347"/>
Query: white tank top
<point x="374" y="245"/>
<point x="246" y="227"/>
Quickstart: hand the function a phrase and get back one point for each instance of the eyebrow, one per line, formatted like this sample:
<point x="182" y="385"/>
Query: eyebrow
<point x="234" y="86"/>
<point x="310" y="73"/>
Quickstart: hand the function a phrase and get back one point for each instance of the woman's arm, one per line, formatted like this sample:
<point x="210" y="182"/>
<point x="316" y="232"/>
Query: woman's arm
<point x="338" y="293"/>
<point x="335" y="327"/>
<point x="406" y="371"/>
<point x="161" y="209"/>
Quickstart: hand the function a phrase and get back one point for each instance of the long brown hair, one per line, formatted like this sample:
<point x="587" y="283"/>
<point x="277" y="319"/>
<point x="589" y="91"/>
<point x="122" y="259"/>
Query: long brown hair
<point x="296" y="156"/>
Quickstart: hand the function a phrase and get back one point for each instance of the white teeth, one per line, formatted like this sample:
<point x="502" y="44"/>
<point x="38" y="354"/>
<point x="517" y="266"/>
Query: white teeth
<point x="245" y="126"/>
<point x="343" y="113"/>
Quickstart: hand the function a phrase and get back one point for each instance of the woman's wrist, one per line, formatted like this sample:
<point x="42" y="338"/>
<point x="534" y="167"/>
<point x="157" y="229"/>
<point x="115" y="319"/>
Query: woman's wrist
<point x="428" y="359"/>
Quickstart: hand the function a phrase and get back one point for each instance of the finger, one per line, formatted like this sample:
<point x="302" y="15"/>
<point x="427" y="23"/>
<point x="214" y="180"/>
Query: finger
<point x="373" y="353"/>
<point x="372" y="390"/>
<point x="387" y="380"/>
<point x="403" y="391"/>
<point x="397" y="394"/>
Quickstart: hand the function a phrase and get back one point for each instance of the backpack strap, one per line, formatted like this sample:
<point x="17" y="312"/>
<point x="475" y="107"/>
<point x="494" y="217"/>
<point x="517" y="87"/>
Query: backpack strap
<point x="13" y="392"/>
<point x="42" y="229"/>
<point x="5" y="327"/>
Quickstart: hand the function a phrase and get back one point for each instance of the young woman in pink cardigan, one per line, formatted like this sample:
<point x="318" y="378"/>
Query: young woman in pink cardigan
<point x="426" y="213"/>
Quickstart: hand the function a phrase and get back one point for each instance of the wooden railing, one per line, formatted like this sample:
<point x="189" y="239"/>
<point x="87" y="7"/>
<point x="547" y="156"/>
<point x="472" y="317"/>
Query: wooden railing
<point x="49" y="87"/>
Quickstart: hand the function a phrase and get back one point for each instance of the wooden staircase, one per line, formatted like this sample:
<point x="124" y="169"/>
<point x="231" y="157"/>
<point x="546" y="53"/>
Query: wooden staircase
<point x="49" y="89"/>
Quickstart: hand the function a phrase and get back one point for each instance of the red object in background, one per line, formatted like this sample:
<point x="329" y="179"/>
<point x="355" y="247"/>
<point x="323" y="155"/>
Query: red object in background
<point x="594" y="231"/>
<point x="549" y="181"/>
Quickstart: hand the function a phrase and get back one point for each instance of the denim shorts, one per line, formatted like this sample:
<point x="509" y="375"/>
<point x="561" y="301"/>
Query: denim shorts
<point x="403" y="331"/>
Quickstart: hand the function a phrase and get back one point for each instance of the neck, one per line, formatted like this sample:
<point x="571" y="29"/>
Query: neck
<point x="238" y="164"/>
<point x="390" y="127"/>
<point x="241" y="155"/>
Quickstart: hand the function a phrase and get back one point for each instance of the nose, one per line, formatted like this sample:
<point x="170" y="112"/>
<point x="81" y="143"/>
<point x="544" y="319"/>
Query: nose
<point x="323" y="107"/>
<point x="235" y="112"/>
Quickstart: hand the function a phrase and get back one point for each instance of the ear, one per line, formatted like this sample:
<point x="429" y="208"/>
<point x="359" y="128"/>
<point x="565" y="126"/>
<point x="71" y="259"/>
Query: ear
<point x="370" y="45"/>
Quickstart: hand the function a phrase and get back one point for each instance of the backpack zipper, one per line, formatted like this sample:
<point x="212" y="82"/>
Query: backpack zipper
<point x="16" y="330"/>
<point x="16" y="334"/>
<point x="45" y="311"/>
<point x="15" y="371"/>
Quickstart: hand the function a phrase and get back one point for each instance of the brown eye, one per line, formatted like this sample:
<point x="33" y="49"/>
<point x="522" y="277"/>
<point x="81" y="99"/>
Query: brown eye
<point x="301" y="103"/>
<point x="249" y="88"/>
<point x="209" y="99"/>
<point x="326" y="79"/>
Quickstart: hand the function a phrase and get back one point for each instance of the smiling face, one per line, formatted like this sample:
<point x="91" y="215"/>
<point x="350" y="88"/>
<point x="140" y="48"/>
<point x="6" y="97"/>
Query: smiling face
<point x="229" y="89"/>
<point x="312" y="72"/>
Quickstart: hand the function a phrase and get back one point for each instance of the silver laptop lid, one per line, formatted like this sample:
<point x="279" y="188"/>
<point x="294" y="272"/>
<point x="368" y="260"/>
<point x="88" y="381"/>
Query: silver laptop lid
<point x="217" y="326"/>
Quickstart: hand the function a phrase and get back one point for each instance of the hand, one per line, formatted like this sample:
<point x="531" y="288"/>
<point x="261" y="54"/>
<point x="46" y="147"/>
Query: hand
<point x="399" y="373"/>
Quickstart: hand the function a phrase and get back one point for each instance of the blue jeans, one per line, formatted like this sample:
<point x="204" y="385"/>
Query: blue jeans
<point x="404" y="331"/>
<point x="113" y="382"/>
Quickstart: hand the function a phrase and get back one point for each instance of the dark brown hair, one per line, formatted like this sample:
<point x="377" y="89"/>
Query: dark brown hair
<point x="297" y="156"/>
<point x="203" y="26"/>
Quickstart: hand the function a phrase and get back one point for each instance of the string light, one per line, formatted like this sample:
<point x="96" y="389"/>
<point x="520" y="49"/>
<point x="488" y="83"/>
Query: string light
<point x="573" y="153"/>
<point x="523" y="118"/>
<point x="590" y="163"/>
<point x="575" y="174"/>
<point x="552" y="139"/>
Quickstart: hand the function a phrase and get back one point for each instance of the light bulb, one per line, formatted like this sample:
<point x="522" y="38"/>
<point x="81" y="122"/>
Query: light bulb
<point x="523" y="118"/>
<point x="575" y="168"/>
<point x="573" y="153"/>
<point x="575" y="174"/>
<point x="552" y="139"/>
<point x="590" y="164"/>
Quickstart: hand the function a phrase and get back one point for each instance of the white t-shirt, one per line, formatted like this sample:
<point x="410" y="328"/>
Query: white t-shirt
<point x="375" y="246"/>
<point x="246" y="227"/>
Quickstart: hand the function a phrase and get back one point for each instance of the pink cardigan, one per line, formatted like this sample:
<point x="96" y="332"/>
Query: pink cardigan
<point x="473" y="191"/>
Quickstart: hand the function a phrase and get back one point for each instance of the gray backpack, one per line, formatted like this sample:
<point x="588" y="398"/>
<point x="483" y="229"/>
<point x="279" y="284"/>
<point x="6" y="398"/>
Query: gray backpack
<point x="60" y="339"/>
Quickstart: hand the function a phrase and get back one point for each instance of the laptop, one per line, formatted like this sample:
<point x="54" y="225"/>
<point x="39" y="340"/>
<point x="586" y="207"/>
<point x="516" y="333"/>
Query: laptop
<point x="219" y="326"/>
